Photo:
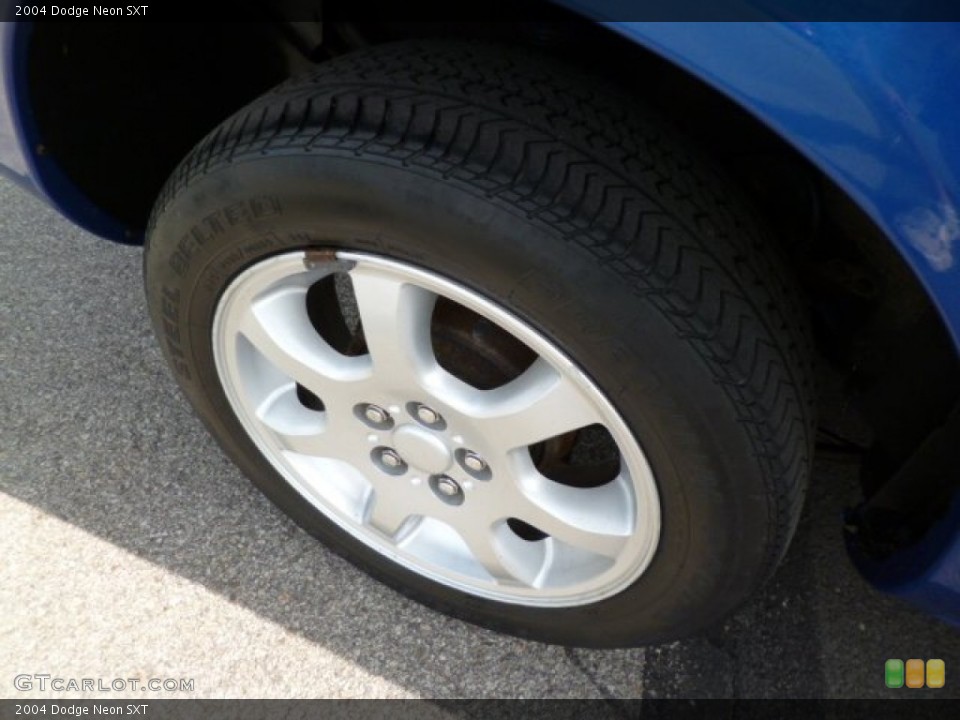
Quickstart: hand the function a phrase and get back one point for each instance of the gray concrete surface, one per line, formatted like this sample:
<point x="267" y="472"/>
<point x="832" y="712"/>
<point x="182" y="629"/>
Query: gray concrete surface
<point x="132" y="548"/>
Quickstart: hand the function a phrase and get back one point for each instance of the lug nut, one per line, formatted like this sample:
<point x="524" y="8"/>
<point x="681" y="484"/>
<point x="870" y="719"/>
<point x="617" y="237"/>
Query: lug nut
<point x="427" y="415"/>
<point x="447" y="486"/>
<point x="474" y="462"/>
<point x="390" y="458"/>
<point x="375" y="414"/>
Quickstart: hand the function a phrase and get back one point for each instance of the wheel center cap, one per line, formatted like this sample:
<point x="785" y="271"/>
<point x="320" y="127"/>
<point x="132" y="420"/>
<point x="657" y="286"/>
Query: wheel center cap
<point x="422" y="449"/>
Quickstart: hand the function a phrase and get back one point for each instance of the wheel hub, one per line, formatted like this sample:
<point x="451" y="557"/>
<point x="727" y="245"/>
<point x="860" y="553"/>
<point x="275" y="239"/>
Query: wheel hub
<point x="422" y="449"/>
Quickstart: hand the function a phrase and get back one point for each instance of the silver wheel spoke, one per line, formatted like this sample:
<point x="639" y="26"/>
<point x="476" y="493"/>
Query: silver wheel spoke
<point x="539" y="404"/>
<point x="298" y="429"/>
<point x="278" y="327"/>
<point x="396" y="324"/>
<point x="498" y="558"/>
<point x="388" y="511"/>
<point x="599" y="520"/>
<point x="318" y="445"/>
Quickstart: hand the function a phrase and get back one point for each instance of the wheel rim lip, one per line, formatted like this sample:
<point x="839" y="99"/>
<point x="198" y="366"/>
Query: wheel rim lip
<point x="643" y="543"/>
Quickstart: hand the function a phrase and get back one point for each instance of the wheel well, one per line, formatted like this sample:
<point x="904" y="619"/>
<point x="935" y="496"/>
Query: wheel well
<point x="118" y="106"/>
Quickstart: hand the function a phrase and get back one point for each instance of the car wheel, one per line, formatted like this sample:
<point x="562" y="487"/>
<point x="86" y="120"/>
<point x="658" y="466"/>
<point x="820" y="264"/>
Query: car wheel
<point x="481" y="324"/>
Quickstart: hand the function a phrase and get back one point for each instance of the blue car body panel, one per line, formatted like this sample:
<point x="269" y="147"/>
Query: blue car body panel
<point x="874" y="105"/>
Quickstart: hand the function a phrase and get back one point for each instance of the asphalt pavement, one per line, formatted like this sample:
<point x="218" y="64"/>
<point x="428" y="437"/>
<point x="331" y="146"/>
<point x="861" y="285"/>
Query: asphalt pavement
<point x="131" y="547"/>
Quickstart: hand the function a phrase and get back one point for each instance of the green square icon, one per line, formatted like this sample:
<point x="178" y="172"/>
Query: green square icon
<point x="893" y="673"/>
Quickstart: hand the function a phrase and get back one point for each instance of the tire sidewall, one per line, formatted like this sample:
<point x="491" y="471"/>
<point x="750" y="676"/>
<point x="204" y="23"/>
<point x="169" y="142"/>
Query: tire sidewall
<point x="715" y="516"/>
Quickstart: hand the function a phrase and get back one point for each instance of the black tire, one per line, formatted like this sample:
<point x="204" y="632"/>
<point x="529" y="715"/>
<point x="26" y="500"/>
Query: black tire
<point x="571" y="205"/>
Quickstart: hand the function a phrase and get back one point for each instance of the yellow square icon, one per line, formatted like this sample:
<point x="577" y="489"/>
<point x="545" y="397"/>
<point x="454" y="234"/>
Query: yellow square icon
<point x="914" y="673"/>
<point x="936" y="673"/>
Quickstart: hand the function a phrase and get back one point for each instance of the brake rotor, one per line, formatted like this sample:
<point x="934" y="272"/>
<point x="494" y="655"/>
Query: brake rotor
<point x="483" y="355"/>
